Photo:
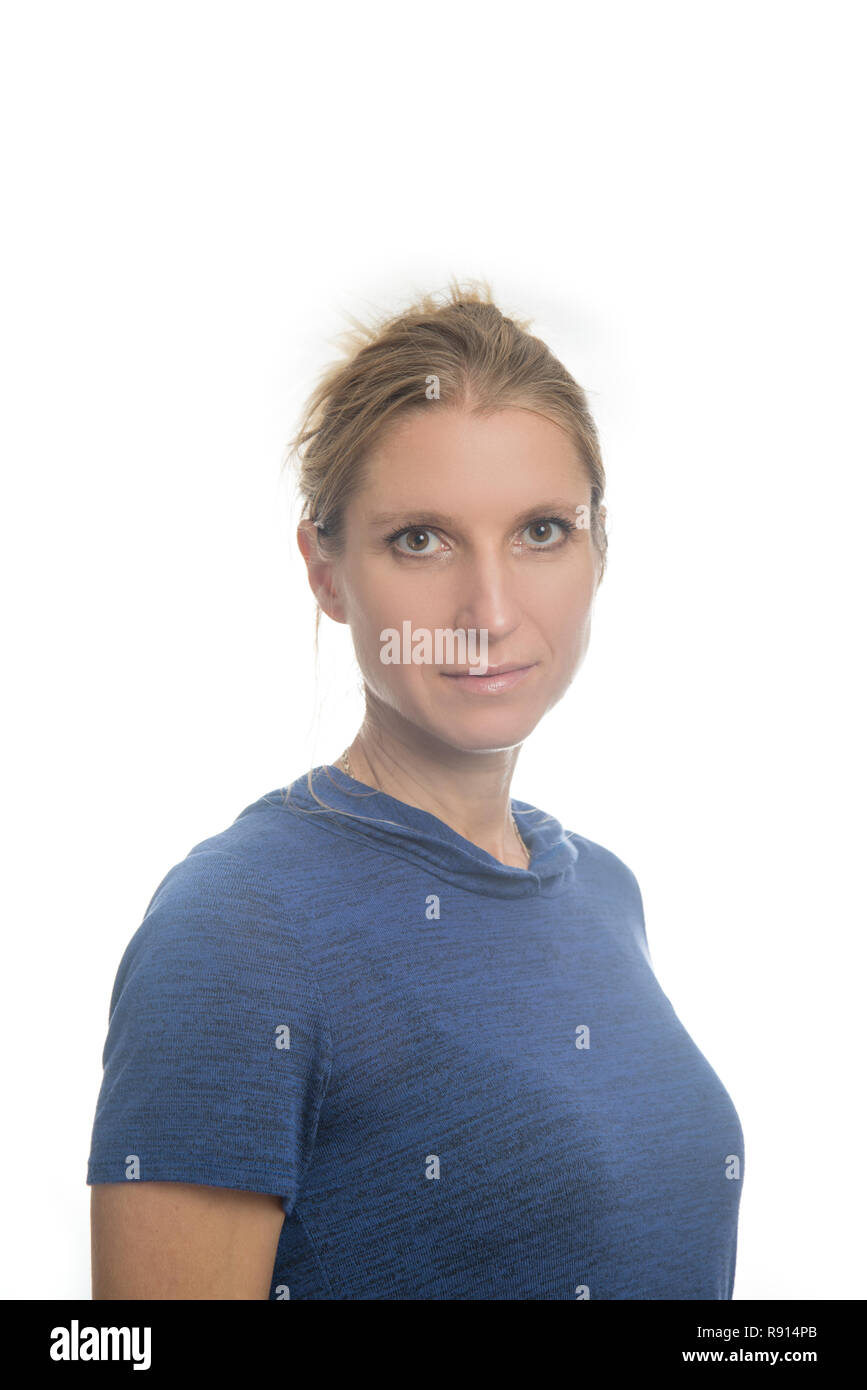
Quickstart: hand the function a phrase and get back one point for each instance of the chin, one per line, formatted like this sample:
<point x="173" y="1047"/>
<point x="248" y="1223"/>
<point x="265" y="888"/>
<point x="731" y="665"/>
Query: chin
<point x="485" y="734"/>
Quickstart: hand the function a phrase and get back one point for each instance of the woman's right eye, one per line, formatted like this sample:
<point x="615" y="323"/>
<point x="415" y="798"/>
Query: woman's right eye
<point x="415" y="538"/>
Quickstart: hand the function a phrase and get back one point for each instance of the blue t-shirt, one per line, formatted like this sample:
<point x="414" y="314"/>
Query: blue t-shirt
<point x="462" y="1077"/>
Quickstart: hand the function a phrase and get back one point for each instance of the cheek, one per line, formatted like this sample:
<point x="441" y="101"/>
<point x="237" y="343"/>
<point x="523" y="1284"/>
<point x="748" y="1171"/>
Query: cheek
<point x="402" y="686"/>
<point x="571" y="645"/>
<point x="565" y="613"/>
<point x="374" y="609"/>
<point x="369" y="609"/>
<point x="390" y="603"/>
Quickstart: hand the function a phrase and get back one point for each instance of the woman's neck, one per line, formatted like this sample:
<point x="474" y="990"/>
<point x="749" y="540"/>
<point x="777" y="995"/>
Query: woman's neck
<point x="468" y="792"/>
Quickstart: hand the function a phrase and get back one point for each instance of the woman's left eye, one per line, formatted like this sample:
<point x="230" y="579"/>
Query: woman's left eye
<point x="540" y="533"/>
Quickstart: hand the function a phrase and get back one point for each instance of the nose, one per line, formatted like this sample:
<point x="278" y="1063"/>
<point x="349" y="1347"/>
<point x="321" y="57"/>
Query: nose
<point x="487" y="594"/>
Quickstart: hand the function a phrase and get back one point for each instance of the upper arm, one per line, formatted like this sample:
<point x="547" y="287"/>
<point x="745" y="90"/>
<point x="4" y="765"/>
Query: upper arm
<point x="216" y="1064"/>
<point x="161" y="1240"/>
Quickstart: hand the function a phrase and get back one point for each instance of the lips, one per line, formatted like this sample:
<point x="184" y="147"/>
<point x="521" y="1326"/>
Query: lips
<point x="492" y="670"/>
<point x="491" y="683"/>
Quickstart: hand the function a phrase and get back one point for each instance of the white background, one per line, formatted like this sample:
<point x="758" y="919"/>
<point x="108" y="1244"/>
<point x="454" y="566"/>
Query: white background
<point x="197" y="196"/>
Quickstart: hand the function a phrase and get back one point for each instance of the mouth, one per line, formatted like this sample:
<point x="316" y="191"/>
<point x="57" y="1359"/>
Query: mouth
<point x="494" y="680"/>
<point x="492" y="670"/>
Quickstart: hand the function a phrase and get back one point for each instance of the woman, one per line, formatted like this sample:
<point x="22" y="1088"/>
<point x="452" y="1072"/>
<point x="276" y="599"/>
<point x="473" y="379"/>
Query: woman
<point x="391" y="1035"/>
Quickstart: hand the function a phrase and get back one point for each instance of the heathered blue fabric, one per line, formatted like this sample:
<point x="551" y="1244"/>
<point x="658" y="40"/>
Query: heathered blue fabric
<point x="433" y="1126"/>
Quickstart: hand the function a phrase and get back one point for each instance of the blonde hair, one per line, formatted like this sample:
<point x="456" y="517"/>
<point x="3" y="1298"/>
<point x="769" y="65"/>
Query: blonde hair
<point x="484" y="362"/>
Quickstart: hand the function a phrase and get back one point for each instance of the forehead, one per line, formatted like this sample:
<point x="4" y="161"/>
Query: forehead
<point x="509" y="451"/>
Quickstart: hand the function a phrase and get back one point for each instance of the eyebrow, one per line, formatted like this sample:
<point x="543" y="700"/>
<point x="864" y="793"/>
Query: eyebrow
<point x="435" y="518"/>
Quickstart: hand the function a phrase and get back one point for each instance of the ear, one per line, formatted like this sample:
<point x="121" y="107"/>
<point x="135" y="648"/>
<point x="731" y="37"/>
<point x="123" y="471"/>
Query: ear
<point x="603" y="515"/>
<point x="321" y="573"/>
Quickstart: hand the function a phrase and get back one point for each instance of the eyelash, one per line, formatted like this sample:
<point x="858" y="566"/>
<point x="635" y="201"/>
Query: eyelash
<point x="563" y="521"/>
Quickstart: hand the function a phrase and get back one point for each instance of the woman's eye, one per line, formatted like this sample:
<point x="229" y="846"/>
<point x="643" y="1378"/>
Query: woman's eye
<point x="540" y="533"/>
<point x="416" y="541"/>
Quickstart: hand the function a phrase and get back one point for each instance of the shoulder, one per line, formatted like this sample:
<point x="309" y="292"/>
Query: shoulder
<point x="213" y="882"/>
<point x="216" y="931"/>
<point x="612" y="884"/>
<point x="274" y="848"/>
<point x="603" y="862"/>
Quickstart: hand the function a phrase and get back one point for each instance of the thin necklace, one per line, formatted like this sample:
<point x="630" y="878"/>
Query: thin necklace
<point x="344" y="762"/>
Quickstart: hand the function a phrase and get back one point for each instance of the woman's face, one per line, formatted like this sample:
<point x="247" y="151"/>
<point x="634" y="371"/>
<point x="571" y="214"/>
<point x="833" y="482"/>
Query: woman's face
<point x="470" y="497"/>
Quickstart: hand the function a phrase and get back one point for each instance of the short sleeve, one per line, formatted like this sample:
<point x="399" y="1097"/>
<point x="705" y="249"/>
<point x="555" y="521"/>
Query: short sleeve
<point x="218" y="1052"/>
